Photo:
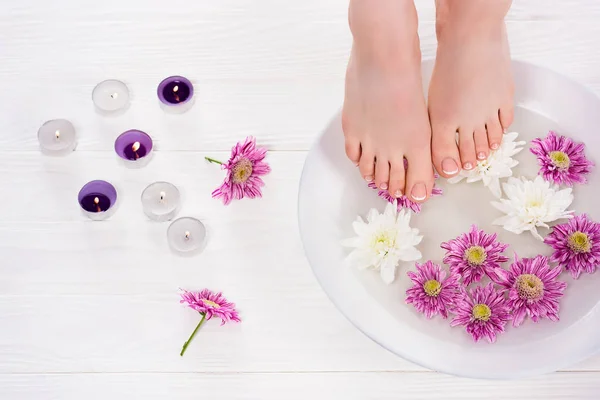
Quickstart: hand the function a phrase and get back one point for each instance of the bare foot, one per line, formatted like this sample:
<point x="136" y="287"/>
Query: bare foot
<point x="385" y="116"/>
<point x="471" y="90"/>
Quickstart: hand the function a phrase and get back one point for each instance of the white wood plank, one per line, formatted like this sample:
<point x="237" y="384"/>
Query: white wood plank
<point x="347" y="386"/>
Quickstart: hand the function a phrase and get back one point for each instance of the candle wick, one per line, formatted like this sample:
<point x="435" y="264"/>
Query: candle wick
<point x="187" y="235"/>
<point x="57" y="134"/>
<point x="135" y="147"/>
<point x="162" y="197"/>
<point x="97" y="203"/>
<point x="114" y="95"/>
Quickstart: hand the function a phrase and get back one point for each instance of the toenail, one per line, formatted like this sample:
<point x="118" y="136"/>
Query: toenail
<point x="449" y="166"/>
<point x="383" y="186"/>
<point x="419" y="192"/>
<point x="368" y="178"/>
<point x="398" y="193"/>
<point x="495" y="146"/>
<point x="481" y="155"/>
<point x="468" y="166"/>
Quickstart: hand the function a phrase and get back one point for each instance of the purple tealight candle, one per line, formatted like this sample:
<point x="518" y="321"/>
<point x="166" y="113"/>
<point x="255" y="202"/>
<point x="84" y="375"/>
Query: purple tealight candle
<point x="134" y="147"/>
<point x="176" y="93"/>
<point x="97" y="199"/>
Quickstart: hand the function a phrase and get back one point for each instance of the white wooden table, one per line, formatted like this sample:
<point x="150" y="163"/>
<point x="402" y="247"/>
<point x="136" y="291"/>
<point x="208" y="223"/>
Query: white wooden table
<point x="90" y="310"/>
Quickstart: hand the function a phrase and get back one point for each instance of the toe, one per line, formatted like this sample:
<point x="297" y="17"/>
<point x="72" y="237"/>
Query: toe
<point x="494" y="133"/>
<point x="367" y="165"/>
<point x="482" y="147"/>
<point x="445" y="152"/>
<point x="353" y="149"/>
<point x="382" y="172"/>
<point x="419" y="175"/>
<point x="397" y="177"/>
<point x="466" y="145"/>
<point x="507" y="115"/>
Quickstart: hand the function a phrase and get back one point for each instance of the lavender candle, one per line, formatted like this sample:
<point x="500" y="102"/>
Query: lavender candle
<point x="176" y="94"/>
<point x="97" y="199"/>
<point x="57" y="137"/>
<point x="134" y="147"/>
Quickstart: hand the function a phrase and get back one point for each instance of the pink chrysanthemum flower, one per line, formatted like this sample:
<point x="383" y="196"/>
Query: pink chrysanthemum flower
<point x="209" y="304"/>
<point x="473" y="254"/>
<point x="432" y="292"/>
<point x="244" y="168"/>
<point x="576" y="245"/>
<point x="532" y="289"/>
<point x="484" y="312"/>
<point x="561" y="159"/>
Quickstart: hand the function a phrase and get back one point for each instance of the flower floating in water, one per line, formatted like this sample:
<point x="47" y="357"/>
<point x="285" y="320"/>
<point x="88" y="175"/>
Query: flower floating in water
<point x="432" y="292"/>
<point x="383" y="241"/>
<point x="532" y="289"/>
<point x="244" y="168"/>
<point x="561" y="159"/>
<point x="532" y="204"/>
<point x="209" y="304"/>
<point x="576" y="245"/>
<point x="498" y="165"/>
<point x="473" y="254"/>
<point x="483" y="312"/>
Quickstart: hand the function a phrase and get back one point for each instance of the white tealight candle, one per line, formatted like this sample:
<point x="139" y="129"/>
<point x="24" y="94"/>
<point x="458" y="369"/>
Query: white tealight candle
<point x="186" y="235"/>
<point x="111" y="96"/>
<point x="160" y="201"/>
<point x="57" y="137"/>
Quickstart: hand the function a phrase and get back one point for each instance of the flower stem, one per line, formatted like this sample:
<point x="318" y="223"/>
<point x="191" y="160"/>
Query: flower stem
<point x="185" y="345"/>
<point x="212" y="160"/>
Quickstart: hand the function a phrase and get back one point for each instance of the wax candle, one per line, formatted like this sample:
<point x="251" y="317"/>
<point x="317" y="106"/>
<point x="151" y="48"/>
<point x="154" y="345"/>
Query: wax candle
<point x="176" y="94"/>
<point x="186" y="235"/>
<point x="97" y="199"/>
<point x="57" y="137"/>
<point x="160" y="201"/>
<point x="134" y="148"/>
<point x="111" y="96"/>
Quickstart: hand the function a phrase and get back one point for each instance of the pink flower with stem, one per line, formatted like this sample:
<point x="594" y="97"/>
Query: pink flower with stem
<point x="483" y="312"/>
<point x="561" y="159"/>
<point x="245" y="167"/>
<point x="432" y="292"/>
<point x="209" y="304"/>
<point x="532" y="289"/>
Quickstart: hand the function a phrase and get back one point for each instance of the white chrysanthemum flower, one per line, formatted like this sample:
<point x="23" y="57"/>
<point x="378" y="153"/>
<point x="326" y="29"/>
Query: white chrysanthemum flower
<point x="498" y="165"/>
<point x="531" y="204"/>
<point x="383" y="241"/>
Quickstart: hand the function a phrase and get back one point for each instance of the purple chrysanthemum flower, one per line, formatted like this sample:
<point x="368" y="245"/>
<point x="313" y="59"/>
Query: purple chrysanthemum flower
<point x="211" y="304"/>
<point x="244" y="168"/>
<point x="561" y="159"/>
<point x="576" y="245"/>
<point x="532" y="289"/>
<point x="432" y="292"/>
<point x="484" y="312"/>
<point x="473" y="254"/>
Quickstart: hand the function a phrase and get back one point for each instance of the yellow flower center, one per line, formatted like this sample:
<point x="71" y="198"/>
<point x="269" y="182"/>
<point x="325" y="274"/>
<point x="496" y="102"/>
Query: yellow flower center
<point x="241" y="171"/>
<point x="529" y="287"/>
<point x="481" y="312"/>
<point x="560" y="159"/>
<point x="580" y="242"/>
<point x="210" y="304"/>
<point x="383" y="241"/>
<point x="432" y="287"/>
<point x="475" y="255"/>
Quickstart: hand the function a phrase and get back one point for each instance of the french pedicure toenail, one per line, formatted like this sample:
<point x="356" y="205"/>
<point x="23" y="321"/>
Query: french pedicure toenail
<point x="383" y="186"/>
<point x="419" y="192"/>
<point x="449" y="166"/>
<point x="481" y="155"/>
<point x="495" y="146"/>
<point x="368" y="178"/>
<point x="398" y="193"/>
<point x="468" y="166"/>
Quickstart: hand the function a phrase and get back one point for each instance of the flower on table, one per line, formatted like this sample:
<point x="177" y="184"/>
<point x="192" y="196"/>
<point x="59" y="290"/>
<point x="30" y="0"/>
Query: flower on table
<point x="531" y="204"/>
<point x="483" y="311"/>
<point x="432" y="292"/>
<point x="498" y="165"/>
<point x="576" y="245"/>
<point x="209" y="304"/>
<point x="561" y="159"/>
<point x="532" y="289"/>
<point x="382" y="241"/>
<point x="245" y="167"/>
<point x="474" y="254"/>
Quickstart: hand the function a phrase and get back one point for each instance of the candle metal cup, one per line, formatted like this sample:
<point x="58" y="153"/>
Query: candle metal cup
<point x="176" y="94"/>
<point x="111" y="97"/>
<point x="160" y="201"/>
<point x="134" y="148"/>
<point x="186" y="236"/>
<point x="57" y="137"/>
<point x="97" y="200"/>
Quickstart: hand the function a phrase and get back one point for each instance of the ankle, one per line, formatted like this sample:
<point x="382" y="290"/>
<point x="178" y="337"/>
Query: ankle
<point x="470" y="18"/>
